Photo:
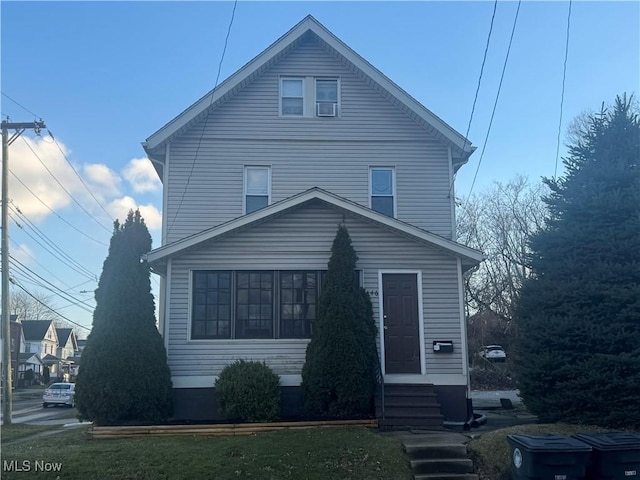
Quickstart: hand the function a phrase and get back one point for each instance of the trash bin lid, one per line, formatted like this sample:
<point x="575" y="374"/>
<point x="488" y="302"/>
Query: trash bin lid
<point x="611" y="441"/>
<point x="552" y="443"/>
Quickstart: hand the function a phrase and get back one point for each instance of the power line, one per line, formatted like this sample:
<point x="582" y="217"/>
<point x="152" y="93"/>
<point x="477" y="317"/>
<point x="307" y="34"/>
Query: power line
<point x="54" y="212"/>
<point x="21" y="106"/>
<point x="206" y="118"/>
<point x="41" y="265"/>
<point x="51" y="287"/>
<point x="67" y="259"/>
<point x="79" y="177"/>
<point x="47" y="306"/>
<point x="475" y="98"/>
<point x="495" y="104"/>
<point x="564" y="76"/>
<point x="63" y="187"/>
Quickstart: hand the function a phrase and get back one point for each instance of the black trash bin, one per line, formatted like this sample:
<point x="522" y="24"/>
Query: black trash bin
<point x="615" y="455"/>
<point x="552" y="457"/>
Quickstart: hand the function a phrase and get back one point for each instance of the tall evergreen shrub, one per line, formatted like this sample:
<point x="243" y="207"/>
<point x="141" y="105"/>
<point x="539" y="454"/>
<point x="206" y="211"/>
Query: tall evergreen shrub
<point x="578" y="317"/>
<point x="123" y="375"/>
<point x="340" y="371"/>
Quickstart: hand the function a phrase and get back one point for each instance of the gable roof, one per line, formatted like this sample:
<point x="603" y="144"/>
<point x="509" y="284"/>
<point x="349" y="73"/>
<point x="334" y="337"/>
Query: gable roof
<point x="469" y="256"/>
<point x="27" y="357"/>
<point x="63" y="336"/>
<point x="309" y="26"/>
<point x="35" y="329"/>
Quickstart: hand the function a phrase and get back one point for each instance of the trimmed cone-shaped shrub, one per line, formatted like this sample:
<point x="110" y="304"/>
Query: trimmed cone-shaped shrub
<point x="578" y="316"/>
<point x="248" y="391"/>
<point x="123" y="376"/>
<point x="340" y="373"/>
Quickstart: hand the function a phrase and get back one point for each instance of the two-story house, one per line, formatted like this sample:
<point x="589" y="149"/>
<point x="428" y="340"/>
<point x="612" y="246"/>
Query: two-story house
<point x="67" y="349"/>
<point x="257" y="176"/>
<point x="41" y="339"/>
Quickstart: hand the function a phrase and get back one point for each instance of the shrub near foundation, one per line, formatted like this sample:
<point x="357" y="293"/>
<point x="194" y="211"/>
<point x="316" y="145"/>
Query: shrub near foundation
<point x="248" y="391"/>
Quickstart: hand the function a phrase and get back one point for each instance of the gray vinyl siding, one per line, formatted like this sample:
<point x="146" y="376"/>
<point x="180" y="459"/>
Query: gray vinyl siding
<point x="331" y="153"/>
<point x="302" y="240"/>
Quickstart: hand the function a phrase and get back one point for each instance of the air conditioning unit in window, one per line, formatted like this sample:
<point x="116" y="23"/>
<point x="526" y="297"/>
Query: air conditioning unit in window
<point x="324" y="109"/>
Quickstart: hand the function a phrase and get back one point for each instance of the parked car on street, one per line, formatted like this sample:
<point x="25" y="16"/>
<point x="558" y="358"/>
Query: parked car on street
<point x="493" y="353"/>
<point x="59" y="394"/>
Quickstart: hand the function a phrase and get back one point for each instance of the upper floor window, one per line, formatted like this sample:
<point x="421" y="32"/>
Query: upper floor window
<point x="326" y="97"/>
<point x="292" y="96"/>
<point x="257" y="188"/>
<point x="382" y="186"/>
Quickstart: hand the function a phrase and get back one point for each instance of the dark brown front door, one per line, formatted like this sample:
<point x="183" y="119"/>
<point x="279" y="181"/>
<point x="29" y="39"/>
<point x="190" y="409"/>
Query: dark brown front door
<point x="401" y="330"/>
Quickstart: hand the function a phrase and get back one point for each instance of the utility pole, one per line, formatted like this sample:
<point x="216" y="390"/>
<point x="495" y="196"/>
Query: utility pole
<point x="6" y="325"/>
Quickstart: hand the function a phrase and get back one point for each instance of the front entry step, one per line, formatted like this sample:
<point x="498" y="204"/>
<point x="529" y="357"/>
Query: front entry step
<point x="408" y="406"/>
<point x="440" y="455"/>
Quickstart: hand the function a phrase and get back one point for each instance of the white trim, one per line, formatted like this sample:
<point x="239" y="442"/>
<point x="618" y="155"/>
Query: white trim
<point x="167" y="303"/>
<point x="271" y="53"/>
<point x="165" y="195"/>
<point x="394" y="194"/>
<point x="449" y="246"/>
<point x="463" y="324"/>
<point x="338" y="91"/>
<point x="452" y="196"/>
<point x="244" y="185"/>
<point x="418" y="274"/>
<point x="208" y="381"/>
<point x="304" y="96"/>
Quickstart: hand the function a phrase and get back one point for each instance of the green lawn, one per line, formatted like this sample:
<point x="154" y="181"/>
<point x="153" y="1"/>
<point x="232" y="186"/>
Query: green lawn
<point x="491" y="452"/>
<point x="313" y="454"/>
<point x="8" y="433"/>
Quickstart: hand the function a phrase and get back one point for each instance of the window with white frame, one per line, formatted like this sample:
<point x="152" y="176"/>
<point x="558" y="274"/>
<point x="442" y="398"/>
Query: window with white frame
<point x="257" y="188"/>
<point x="382" y="186"/>
<point x="292" y="96"/>
<point x="326" y="97"/>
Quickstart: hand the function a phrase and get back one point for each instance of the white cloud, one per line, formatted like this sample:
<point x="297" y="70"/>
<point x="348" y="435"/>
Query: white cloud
<point x="120" y="207"/>
<point x="34" y="162"/>
<point x="23" y="254"/>
<point x="140" y="173"/>
<point x="24" y="164"/>
<point x="103" y="181"/>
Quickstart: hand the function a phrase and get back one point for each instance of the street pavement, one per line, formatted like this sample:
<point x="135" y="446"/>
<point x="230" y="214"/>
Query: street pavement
<point x="27" y="408"/>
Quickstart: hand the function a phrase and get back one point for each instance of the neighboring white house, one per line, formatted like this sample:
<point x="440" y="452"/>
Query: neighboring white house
<point x="41" y="338"/>
<point x="257" y="176"/>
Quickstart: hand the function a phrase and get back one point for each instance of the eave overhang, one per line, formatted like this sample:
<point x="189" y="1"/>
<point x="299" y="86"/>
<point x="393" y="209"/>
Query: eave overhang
<point x="158" y="258"/>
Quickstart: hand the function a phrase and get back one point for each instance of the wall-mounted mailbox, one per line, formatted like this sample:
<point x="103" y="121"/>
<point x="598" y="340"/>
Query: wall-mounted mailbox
<point x="443" y="346"/>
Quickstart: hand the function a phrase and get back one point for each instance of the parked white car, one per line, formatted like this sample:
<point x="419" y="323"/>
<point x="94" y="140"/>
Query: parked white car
<point x="59" y="394"/>
<point x="493" y="353"/>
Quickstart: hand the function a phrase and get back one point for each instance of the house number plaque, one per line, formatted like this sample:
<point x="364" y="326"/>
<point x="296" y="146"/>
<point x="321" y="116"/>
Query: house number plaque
<point x="372" y="293"/>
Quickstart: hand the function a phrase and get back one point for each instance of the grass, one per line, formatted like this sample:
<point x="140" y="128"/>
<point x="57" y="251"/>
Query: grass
<point x="313" y="454"/>
<point x="491" y="452"/>
<point x="9" y="433"/>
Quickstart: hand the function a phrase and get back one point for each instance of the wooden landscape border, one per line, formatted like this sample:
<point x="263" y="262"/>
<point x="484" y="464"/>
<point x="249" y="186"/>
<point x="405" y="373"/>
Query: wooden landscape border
<point x="220" y="429"/>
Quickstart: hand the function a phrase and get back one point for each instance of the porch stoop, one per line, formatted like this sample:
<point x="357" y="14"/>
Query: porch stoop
<point x="408" y="406"/>
<point x="438" y="455"/>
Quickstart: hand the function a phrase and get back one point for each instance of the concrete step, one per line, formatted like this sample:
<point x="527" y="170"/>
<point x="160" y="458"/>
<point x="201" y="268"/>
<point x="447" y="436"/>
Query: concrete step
<point x="408" y="411"/>
<point x="442" y="465"/>
<point x="430" y="451"/>
<point x="446" y="476"/>
<point x="430" y="421"/>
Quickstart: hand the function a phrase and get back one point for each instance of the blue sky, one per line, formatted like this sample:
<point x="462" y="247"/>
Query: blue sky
<point x="106" y="75"/>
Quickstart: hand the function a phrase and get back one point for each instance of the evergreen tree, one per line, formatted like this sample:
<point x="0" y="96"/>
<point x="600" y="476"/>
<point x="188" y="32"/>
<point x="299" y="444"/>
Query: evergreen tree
<point x="340" y="372"/>
<point x="123" y="376"/>
<point x="578" y="355"/>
